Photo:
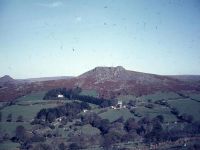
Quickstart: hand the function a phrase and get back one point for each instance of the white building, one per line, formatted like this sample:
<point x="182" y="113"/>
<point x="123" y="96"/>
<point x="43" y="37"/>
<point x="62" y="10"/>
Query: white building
<point x="60" y="96"/>
<point x="85" y="110"/>
<point x="119" y="104"/>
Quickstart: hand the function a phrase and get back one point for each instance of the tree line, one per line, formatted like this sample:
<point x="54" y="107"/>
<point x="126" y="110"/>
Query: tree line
<point x="74" y="94"/>
<point x="69" y="110"/>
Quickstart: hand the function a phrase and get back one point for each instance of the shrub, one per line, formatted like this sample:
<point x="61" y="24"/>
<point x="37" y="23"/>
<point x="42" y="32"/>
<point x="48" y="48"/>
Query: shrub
<point x="20" y="133"/>
<point x="150" y="106"/>
<point x="174" y="111"/>
<point x="20" y="119"/>
<point x="9" y="118"/>
<point x="74" y="146"/>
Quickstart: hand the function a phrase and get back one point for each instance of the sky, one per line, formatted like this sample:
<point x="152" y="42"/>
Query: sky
<point x="42" y="38"/>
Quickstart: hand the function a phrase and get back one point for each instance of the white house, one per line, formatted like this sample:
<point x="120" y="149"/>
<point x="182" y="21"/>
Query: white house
<point x="85" y="110"/>
<point x="119" y="104"/>
<point x="60" y="96"/>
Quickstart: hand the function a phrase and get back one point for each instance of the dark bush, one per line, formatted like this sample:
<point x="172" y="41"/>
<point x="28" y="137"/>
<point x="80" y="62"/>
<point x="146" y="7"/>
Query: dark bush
<point x="20" y="119"/>
<point x="62" y="146"/>
<point x="150" y="106"/>
<point x="20" y="133"/>
<point x="37" y="138"/>
<point x="131" y="125"/>
<point x="9" y="118"/>
<point x="174" y="111"/>
<point x="74" y="146"/>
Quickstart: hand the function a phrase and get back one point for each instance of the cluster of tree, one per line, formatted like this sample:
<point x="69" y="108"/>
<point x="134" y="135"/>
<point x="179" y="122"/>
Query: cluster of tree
<point x="97" y="101"/>
<point x="67" y="93"/>
<point x="69" y="110"/>
<point x="112" y="132"/>
<point x="22" y="136"/>
<point x="118" y="131"/>
<point x="83" y="141"/>
<point x="96" y="121"/>
<point x="74" y="94"/>
<point x="124" y="131"/>
<point x="151" y="130"/>
<point x="174" y="133"/>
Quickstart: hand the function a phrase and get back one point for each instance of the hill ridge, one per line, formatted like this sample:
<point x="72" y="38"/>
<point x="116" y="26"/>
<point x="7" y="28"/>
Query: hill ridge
<point x="108" y="82"/>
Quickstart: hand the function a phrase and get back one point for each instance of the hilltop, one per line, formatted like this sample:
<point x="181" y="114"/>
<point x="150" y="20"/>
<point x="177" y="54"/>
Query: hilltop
<point x="6" y="78"/>
<point x="113" y="81"/>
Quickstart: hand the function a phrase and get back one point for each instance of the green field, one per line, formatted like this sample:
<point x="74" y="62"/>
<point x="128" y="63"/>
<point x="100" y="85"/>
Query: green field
<point x="187" y="106"/>
<point x="157" y="110"/>
<point x="126" y="98"/>
<point x="89" y="93"/>
<point x="9" y="146"/>
<point x="88" y="130"/>
<point x="29" y="105"/>
<point x="160" y="95"/>
<point x="195" y="96"/>
<point x="33" y="96"/>
<point x="28" y="112"/>
<point x="114" y="114"/>
<point x="9" y="127"/>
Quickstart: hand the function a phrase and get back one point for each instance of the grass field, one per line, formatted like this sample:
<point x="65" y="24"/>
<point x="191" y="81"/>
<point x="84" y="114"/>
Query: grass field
<point x="160" y="95"/>
<point x="89" y="93"/>
<point x="9" y="145"/>
<point x="28" y="112"/>
<point x="157" y="110"/>
<point x="29" y="105"/>
<point x="114" y="114"/>
<point x="33" y="96"/>
<point x="195" y="96"/>
<point x="9" y="127"/>
<point x="187" y="106"/>
<point x="126" y="98"/>
<point x="88" y="130"/>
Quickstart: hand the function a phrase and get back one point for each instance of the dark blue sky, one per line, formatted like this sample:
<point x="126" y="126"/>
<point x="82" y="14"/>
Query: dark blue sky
<point x="57" y="37"/>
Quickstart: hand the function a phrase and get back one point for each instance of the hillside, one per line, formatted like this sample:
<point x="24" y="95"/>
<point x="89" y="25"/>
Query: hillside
<point x="6" y="79"/>
<point x="108" y="82"/>
<point x="187" y="78"/>
<point x="138" y="111"/>
<point x="114" y="81"/>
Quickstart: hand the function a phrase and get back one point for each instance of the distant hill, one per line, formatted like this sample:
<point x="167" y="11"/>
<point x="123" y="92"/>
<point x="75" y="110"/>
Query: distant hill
<point x="187" y="78"/>
<point x="6" y="78"/>
<point x="47" y="79"/>
<point x="109" y="82"/>
<point x="114" y="81"/>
